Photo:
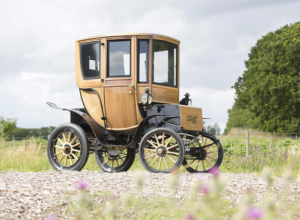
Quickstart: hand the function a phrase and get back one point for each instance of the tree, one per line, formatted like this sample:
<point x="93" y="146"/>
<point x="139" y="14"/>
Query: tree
<point x="6" y="125"/>
<point x="269" y="90"/>
<point x="212" y="129"/>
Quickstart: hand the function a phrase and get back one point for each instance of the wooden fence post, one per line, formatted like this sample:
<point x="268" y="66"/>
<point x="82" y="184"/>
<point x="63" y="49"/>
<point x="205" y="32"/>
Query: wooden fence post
<point x="247" y="143"/>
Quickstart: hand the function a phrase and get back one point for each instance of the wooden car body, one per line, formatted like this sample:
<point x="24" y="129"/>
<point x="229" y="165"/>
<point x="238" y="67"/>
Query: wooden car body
<point x="113" y="99"/>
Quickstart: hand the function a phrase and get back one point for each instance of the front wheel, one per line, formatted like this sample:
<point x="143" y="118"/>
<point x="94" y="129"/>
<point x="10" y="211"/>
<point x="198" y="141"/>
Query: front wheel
<point x="161" y="150"/>
<point x="201" y="157"/>
<point x="68" y="148"/>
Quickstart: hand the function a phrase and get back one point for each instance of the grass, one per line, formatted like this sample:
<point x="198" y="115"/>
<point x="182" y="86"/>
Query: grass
<point x="30" y="156"/>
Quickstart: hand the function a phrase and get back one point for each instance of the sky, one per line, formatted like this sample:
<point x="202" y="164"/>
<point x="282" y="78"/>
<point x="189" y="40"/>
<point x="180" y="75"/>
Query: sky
<point x="37" y="48"/>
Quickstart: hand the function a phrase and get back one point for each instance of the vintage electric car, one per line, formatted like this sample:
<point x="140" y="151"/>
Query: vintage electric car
<point x="129" y="86"/>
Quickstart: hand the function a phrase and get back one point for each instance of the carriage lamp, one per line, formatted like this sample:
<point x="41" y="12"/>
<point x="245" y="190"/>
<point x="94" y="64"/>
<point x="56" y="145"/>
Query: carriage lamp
<point x="186" y="100"/>
<point x="146" y="98"/>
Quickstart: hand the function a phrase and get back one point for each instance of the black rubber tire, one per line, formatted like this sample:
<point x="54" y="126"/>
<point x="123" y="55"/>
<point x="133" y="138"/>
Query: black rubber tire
<point x="219" y="159"/>
<point x="125" y="166"/>
<point x="81" y="136"/>
<point x="168" y="132"/>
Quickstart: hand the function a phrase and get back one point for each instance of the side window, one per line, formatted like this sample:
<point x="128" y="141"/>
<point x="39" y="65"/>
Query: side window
<point x="143" y="61"/>
<point x="119" y="58"/>
<point x="90" y="60"/>
<point x="164" y="63"/>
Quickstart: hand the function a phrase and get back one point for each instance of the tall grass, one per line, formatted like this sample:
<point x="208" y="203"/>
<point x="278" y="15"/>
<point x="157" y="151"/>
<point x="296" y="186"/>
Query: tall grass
<point x="30" y="156"/>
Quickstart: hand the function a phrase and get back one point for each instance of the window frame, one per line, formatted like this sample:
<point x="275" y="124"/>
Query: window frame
<point x="138" y="60"/>
<point x="161" y="84"/>
<point x="107" y="62"/>
<point x="81" y="66"/>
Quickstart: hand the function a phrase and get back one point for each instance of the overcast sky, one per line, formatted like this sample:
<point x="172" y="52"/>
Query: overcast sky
<point x="37" y="48"/>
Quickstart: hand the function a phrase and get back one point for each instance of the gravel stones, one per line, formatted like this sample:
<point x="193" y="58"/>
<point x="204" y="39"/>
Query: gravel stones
<point x="33" y="195"/>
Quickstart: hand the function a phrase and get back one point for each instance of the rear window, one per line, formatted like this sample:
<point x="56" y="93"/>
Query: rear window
<point x="90" y="60"/>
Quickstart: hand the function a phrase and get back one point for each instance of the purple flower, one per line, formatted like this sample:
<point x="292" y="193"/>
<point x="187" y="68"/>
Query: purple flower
<point x="223" y="140"/>
<point x="244" y="141"/>
<point x="269" y="147"/>
<point x="254" y="213"/>
<point x="51" y="217"/>
<point x="81" y="185"/>
<point x="214" y="171"/>
<point x="284" y="140"/>
<point x="255" y="146"/>
<point x="190" y="216"/>
<point x="204" y="189"/>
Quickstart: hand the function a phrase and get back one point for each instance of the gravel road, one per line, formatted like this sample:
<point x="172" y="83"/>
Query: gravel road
<point x="33" y="195"/>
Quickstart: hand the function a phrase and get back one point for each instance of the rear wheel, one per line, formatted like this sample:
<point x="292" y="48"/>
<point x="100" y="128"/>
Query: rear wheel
<point x="201" y="157"/>
<point x="161" y="150"/>
<point x="115" y="160"/>
<point x="68" y="148"/>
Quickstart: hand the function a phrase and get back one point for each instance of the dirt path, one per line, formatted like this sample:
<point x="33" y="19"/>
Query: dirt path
<point x="33" y="195"/>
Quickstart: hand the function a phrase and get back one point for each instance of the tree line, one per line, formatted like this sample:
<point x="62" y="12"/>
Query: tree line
<point x="268" y="93"/>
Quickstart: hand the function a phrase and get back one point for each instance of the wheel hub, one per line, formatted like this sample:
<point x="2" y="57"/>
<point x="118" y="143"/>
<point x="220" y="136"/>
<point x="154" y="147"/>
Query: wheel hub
<point x="200" y="154"/>
<point x="67" y="149"/>
<point x="161" y="151"/>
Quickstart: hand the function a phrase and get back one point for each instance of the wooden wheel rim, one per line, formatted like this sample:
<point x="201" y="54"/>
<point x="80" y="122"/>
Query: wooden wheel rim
<point x="160" y="151"/>
<point x="67" y="149"/>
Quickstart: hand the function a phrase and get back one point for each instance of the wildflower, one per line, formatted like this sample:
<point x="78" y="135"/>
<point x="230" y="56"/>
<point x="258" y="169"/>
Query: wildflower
<point x="204" y="189"/>
<point x="269" y="147"/>
<point x="81" y="185"/>
<point x="254" y="213"/>
<point x="223" y="140"/>
<point x="244" y="142"/>
<point x="190" y="216"/>
<point x="284" y="140"/>
<point x="214" y="171"/>
<point x="51" y="217"/>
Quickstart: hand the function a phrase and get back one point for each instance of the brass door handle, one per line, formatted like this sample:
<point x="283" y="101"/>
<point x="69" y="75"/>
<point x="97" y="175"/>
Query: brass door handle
<point x="131" y="85"/>
<point x="130" y="92"/>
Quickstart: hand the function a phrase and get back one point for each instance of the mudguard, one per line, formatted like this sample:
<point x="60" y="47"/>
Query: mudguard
<point x="96" y="130"/>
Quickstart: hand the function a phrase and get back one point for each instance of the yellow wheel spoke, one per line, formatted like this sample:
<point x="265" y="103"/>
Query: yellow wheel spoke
<point x="150" y="156"/>
<point x="189" y="165"/>
<point x="203" y="165"/>
<point x="74" y="156"/>
<point x="71" y="160"/>
<point x="75" y="150"/>
<point x="66" y="160"/>
<point x="75" y="145"/>
<point x="172" y="146"/>
<point x="156" y="139"/>
<point x="60" y="141"/>
<point x="154" y="161"/>
<point x="211" y="152"/>
<point x="73" y="140"/>
<point x="197" y="164"/>
<point x="121" y="159"/>
<point x="112" y="163"/>
<point x="64" y="136"/>
<point x="59" y="147"/>
<point x="150" y="142"/>
<point x="166" y="163"/>
<point x="212" y="158"/>
<point x="117" y="162"/>
<point x="61" y="158"/>
<point x="168" y="141"/>
<point x="170" y="158"/>
<point x="149" y="149"/>
<point x="208" y="163"/>
<point x="69" y="137"/>
<point x="58" y="153"/>
<point x="163" y="139"/>
<point x="173" y="153"/>
<point x="159" y="163"/>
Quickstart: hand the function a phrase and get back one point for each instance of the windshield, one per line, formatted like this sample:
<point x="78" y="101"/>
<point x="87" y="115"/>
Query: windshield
<point x="164" y="63"/>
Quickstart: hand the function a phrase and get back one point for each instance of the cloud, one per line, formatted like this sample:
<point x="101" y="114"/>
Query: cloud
<point x="37" y="50"/>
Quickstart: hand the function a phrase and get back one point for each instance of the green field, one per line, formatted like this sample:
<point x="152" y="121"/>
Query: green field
<point x="275" y="152"/>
